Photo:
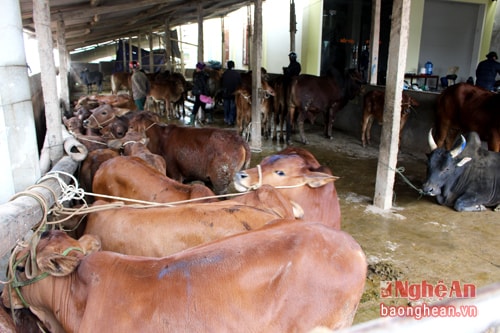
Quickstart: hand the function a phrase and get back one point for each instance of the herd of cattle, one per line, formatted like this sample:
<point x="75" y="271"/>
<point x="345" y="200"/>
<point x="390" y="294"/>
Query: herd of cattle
<point x="223" y="246"/>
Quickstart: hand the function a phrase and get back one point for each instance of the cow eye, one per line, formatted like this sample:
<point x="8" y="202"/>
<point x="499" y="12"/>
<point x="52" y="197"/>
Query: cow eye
<point x="280" y="172"/>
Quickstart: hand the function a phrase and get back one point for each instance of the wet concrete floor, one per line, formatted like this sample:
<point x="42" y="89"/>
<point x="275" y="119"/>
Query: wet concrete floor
<point x="417" y="240"/>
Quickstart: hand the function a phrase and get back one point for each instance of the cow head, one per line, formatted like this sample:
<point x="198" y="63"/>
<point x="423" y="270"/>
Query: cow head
<point x="285" y="170"/>
<point x="444" y="167"/>
<point x="130" y="137"/>
<point x="55" y="254"/>
<point x="103" y="115"/>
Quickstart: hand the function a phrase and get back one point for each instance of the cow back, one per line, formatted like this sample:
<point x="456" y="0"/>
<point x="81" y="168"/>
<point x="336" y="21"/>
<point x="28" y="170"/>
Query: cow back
<point x="132" y="177"/>
<point x="258" y="270"/>
<point x="210" y="155"/>
<point x="172" y="229"/>
<point x="463" y="108"/>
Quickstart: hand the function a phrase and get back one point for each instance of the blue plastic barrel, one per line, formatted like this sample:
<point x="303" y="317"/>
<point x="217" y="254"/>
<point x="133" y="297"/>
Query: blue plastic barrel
<point x="428" y="68"/>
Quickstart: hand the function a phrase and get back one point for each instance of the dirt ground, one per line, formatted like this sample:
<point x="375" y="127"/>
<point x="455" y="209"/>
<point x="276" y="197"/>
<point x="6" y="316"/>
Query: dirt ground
<point x="417" y="240"/>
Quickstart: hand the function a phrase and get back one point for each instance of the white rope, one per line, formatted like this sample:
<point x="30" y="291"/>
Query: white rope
<point x="68" y="191"/>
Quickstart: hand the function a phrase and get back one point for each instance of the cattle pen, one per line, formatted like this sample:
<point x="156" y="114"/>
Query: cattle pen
<point x="429" y="267"/>
<point x="416" y="241"/>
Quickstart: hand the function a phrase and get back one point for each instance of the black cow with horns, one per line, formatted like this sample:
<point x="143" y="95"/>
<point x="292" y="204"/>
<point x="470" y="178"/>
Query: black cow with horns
<point x="467" y="177"/>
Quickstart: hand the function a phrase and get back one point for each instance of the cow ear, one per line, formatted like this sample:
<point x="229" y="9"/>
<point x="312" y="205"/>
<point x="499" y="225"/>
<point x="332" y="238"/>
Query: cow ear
<point x="57" y="264"/>
<point x="90" y="243"/>
<point x="318" y="179"/>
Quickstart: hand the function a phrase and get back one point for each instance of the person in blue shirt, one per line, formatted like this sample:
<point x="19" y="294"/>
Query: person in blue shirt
<point x="487" y="71"/>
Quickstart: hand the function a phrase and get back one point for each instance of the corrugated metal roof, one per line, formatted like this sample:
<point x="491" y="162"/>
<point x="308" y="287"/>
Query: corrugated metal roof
<point x="97" y="21"/>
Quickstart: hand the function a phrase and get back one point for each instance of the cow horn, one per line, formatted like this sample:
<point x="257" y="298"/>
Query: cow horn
<point x="432" y="143"/>
<point x="456" y="151"/>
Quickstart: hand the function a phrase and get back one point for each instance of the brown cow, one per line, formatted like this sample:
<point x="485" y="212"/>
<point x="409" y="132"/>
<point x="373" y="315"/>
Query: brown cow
<point x="6" y="323"/>
<point x="210" y="155"/>
<point x="373" y="108"/>
<point x="135" y="144"/>
<point x="310" y="95"/>
<point x="279" y="107"/>
<point x="133" y="178"/>
<point x="243" y="100"/>
<point x="91" y="142"/>
<point x="299" y="177"/>
<point x="465" y="108"/>
<point x="103" y="115"/>
<point x="121" y="80"/>
<point x="289" y="277"/>
<point x="91" y="164"/>
<point x="119" y="101"/>
<point x="172" y="229"/>
<point x="169" y="91"/>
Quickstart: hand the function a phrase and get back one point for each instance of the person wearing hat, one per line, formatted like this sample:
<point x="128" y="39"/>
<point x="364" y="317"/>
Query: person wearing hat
<point x="487" y="71"/>
<point x="140" y="85"/>
<point x="200" y="87"/>
<point x="230" y="81"/>
<point x="294" y="67"/>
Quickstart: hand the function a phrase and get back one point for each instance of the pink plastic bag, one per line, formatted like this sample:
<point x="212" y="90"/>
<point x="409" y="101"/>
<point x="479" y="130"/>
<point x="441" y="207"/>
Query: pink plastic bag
<point x="206" y="99"/>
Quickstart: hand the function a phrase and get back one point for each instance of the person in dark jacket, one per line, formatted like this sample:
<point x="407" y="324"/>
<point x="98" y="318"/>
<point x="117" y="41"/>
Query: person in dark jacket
<point x="200" y="87"/>
<point x="487" y="71"/>
<point x="230" y="80"/>
<point x="294" y="67"/>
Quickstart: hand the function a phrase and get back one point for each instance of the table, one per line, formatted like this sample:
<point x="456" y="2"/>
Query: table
<point x="422" y="76"/>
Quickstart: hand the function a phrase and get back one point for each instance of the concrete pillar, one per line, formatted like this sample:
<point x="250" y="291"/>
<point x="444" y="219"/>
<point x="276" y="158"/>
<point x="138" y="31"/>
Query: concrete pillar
<point x="168" y="47"/>
<point x="53" y="116"/>
<point x="256" y="135"/>
<point x="151" y="54"/>
<point x="389" y="139"/>
<point x="63" y="63"/>
<point x="374" y="41"/>
<point x="19" y="167"/>
<point x="200" y="31"/>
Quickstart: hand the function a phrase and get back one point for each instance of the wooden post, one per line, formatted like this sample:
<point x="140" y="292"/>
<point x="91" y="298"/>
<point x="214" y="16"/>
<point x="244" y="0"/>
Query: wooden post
<point x="41" y="16"/>
<point x="224" y="42"/>
<point x="293" y="25"/>
<point x="151" y="53"/>
<point x="124" y="53"/>
<point x="256" y="140"/>
<point x="168" y="46"/>
<point x="63" y="63"/>
<point x="389" y="139"/>
<point x="374" y="42"/>
<point x="200" y="31"/>
<point x="130" y="50"/>
<point x="139" y="53"/>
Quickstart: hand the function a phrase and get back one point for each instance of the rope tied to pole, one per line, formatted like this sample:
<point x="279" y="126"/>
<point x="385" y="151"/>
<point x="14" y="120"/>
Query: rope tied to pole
<point x="400" y="171"/>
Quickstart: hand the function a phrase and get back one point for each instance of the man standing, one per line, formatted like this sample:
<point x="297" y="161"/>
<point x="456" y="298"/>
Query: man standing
<point x="231" y="79"/>
<point x="200" y="88"/>
<point x="294" y="67"/>
<point x="140" y="85"/>
<point x="487" y="71"/>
